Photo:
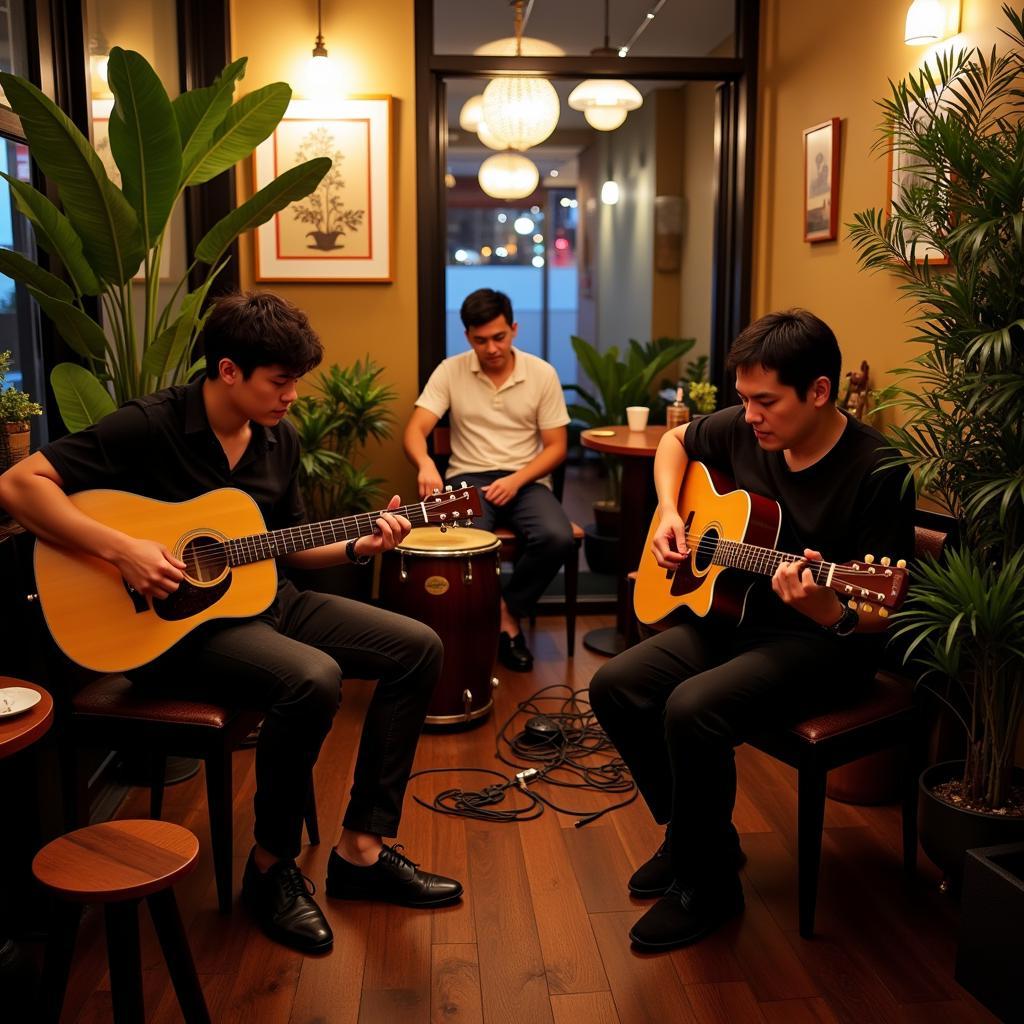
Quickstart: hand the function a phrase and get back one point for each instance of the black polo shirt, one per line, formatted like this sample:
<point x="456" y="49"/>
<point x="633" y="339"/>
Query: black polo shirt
<point x="843" y="505"/>
<point x="162" y="446"/>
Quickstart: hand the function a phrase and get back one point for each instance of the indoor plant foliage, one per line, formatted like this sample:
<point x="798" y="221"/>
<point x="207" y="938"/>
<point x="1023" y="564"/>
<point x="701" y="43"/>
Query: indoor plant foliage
<point x="619" y="383"/>
<point x="349" y="408"/>
<point x="960" y="129"/>
<point x="15" y="409"/>
<point x="104" y="235"/>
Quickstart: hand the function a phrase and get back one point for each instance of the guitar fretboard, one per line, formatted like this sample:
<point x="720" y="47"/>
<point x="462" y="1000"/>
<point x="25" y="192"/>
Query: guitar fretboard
<point x="764" y="561"/>
<point x="260" y="546"/>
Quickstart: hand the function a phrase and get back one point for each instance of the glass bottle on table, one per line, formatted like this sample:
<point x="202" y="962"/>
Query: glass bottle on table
<point x="678" y="412"/>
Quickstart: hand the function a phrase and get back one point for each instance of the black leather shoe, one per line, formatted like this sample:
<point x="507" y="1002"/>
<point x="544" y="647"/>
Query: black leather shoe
<point x="283" y="905"/>
<point x="656" y="876"/>
<point x="513" y="652"/>
<point x="682" y="916"/>
<point x="392" y="879"/>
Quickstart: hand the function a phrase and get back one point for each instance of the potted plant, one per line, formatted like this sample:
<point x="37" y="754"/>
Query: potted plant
<point x="15" y="409"/>
<point x="349" y="407"/>
<point x="105" y="236"/>
<point x="958" y="131"/>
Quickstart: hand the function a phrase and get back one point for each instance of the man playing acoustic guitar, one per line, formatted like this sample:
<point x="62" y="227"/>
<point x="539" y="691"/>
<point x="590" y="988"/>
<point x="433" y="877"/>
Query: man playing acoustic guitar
<point x="229" y="430"/>
<point x="677" y="704"/>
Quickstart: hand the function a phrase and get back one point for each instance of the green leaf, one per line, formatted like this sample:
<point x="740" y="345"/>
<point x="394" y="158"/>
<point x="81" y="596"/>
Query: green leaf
<point x="55" y="234"/>
<point x="200" y="111"/>
<point x="23" y="270"/>
<point x="144" y="140"/>
<point x="293" y="184"/>
<point x="102" y="217"/>
<point x="78" y="329"/>
<point x="81" y="398"/>
<point x="246" y="125"/>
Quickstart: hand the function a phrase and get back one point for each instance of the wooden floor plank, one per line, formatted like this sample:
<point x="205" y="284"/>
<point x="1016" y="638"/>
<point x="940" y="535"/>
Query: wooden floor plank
<point x="455" y="984"/>
<point x="584" y="1008"/>
<point x="729" y="1002"/>
<point x="799" y="1011"/>
<point x="601" y="868"/>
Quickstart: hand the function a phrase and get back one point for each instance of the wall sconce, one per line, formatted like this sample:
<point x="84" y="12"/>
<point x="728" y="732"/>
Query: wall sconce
<point x="931" y="21"/>
<point x="322" y="80"/>
<point x="610" y="192"/>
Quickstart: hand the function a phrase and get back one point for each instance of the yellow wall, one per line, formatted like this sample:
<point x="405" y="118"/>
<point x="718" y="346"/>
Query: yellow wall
<point x="374" y="45"/>
<point x="833" y="60"/>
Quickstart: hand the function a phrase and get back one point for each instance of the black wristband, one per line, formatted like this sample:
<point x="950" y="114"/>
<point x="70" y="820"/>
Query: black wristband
<point x="846" y="624"/>
<point x="356" y="559"/>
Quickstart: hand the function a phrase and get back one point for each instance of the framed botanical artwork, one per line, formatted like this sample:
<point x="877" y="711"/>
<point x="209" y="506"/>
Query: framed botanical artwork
<point x="901" y="175"/>
<point x="343" y="231"/>
<point x="821" y="181"/>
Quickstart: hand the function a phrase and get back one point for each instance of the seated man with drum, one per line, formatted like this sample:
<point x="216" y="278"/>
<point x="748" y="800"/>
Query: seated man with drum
<point x="508" y="420"/>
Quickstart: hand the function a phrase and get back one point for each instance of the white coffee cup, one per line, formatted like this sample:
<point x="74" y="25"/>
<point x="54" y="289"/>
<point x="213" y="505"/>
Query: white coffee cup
<point x="636" y="416"/>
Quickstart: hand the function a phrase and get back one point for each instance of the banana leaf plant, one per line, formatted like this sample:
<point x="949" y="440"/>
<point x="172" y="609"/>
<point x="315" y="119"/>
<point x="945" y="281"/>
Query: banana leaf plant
<point x="105" y="235"/>
<point x="617" y="384"/>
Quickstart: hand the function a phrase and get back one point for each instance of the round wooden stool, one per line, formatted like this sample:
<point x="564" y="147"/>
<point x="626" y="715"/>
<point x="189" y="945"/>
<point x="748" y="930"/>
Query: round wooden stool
<point x="119" y="863"/>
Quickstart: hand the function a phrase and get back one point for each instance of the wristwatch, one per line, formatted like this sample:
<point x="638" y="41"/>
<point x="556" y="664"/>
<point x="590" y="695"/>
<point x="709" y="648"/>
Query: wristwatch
<point x="847" y="622"/>
<point x="356" y="559"/>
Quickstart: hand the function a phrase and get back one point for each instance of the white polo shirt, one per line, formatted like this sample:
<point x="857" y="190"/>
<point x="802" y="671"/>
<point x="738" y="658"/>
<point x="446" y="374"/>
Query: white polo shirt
<point x="495" y="428"/>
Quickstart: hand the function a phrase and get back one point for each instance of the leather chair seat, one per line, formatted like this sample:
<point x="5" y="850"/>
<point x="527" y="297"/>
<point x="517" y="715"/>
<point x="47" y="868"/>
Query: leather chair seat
<point x="887" y="696"/>
<point x="116" y="696"/>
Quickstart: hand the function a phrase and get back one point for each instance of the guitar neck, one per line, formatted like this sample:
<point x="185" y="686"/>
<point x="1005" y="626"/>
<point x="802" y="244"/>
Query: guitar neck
<point x="259" y="547"/>
<point x="764" y="561"/>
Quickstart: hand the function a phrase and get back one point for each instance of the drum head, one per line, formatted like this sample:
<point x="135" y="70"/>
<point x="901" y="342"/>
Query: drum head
<point x="429" y="540"/>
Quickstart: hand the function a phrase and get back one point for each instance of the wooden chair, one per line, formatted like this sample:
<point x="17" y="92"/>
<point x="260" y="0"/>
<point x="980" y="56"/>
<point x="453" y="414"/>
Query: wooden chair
<point x="111" y="713"/>
<point x="118" y="864"/>
<point x="441" y="450"/>
<point x="881" y="718"/>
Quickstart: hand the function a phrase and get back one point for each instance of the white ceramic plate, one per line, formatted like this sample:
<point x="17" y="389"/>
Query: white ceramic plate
<point x="16" y="699"/>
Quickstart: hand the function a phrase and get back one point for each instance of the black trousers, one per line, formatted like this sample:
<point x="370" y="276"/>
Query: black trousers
<point x="288" y="663"/>
<point x="536" y="516"/>
<point x="677" y="704"/>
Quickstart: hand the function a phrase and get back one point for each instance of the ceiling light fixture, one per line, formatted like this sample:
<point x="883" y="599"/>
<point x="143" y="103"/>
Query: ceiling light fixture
<point x="322" y="80"/>
<point x="472" y="113"/>
<point x="508" y="176"/>
<point x="649" y="16"/>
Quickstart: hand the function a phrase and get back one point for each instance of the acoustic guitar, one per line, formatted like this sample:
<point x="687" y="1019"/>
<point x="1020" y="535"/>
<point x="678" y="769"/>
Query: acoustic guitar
<point x="104" y="624"/>
<point x="731" y="534"/>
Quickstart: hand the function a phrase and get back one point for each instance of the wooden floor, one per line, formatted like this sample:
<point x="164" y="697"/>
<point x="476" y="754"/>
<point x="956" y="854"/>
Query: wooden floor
<point x="541" y="935"/>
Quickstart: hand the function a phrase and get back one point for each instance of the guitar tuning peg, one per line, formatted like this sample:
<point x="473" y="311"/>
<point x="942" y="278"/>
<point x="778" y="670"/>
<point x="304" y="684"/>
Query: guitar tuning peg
<point x="463" y="484"/>
<point x="448" y="488"/>
<point x="883" y="612"/>
<point x="886" y="560"/>
<point x="852" y="605"/>
<point x="869" y="559"/>
<point x="443" y="528"/>
<point x="866" y="608"/>
<point x="436" y="490"/>
<point x="901" y="563"/>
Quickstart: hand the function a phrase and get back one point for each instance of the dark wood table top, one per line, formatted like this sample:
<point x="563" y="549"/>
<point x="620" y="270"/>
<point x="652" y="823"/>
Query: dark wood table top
<point x="18" y="731"/>
<point x="623" y="441"/>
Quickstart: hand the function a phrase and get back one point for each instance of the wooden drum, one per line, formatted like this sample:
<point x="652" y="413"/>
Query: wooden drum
<point x="450" y="582"/>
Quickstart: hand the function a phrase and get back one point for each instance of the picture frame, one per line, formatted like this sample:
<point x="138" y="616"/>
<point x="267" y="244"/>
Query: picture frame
<point x="897" y="174"/>
<point x="343" y="231"/>
<point x="821" y="181"/>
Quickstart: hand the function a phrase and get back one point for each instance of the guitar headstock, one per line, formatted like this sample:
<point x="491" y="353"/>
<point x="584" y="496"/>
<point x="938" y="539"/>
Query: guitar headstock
<point x="452" y="506"/>
<point x="871" y="586"/>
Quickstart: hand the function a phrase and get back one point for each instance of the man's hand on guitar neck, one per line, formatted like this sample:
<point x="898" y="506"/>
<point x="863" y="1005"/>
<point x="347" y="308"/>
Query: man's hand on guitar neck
<point x="388" y="531"/>
<point x="794" y="584"/>
<point x="669" y="544"/>
<point x="148" y="567"/>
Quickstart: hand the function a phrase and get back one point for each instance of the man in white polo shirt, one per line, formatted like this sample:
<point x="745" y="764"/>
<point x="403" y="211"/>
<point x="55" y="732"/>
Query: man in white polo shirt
<point x="508" y="420"/>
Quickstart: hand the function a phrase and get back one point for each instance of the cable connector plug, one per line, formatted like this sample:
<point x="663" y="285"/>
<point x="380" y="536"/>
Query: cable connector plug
<point x="525" y="776"/>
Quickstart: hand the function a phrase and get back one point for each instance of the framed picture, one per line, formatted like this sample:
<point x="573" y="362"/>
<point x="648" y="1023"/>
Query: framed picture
<point x="821" y="181"/>
<point x="901" y="175"/>
<point x="101" y="143"/>
<point x="344" y="230"/>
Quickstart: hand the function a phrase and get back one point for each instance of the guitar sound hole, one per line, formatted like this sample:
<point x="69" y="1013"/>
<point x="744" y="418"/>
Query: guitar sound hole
<point x="703" y="550"/>
<point x="205" y="559"/>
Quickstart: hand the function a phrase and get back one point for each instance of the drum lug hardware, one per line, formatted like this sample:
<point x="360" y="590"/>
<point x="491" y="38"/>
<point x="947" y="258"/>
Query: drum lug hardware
<point x="467" y="703"/>
<point x="467" y="573"/>
<point x="401" y="566"/>
<point x="495" y="683"/>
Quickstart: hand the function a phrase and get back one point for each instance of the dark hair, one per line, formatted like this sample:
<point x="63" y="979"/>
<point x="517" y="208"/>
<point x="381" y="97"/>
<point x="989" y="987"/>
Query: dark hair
<point x="259" y="329"/>
<point x="485" y="305"/>
<point x="796" y="344"/>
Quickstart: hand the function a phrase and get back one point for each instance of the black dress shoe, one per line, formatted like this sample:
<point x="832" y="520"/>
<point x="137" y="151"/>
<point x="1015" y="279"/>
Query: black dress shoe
<point x="682" y="916"/>
<point x="513" y="652"/>
<point x="656" y="876"/>
<point x="392" y="879"/>
<point x="283" y="905"/>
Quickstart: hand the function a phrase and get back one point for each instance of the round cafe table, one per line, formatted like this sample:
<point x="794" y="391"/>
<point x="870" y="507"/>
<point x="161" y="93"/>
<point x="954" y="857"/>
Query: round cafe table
<point x="19" y="731"/>
<point x="636" y="449"/>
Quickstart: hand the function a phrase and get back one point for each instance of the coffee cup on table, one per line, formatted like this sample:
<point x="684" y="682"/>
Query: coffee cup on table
<point x="636" y="416"/>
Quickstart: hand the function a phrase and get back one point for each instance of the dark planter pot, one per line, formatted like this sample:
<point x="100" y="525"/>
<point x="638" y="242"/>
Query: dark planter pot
<point x="990" y="946"/>
<point x="607" y="518"/>
<point x="948" y="832"/>
<point x="602" y="552"/>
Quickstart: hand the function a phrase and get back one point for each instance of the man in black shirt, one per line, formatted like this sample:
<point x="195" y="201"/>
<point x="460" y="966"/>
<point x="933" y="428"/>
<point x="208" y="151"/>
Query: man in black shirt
<point x="678" y="703"/>
<point x="229" y="430"/>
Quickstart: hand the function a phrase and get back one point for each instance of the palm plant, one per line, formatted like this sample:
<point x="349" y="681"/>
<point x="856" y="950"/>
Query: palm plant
<point x="348" y="409"/>
<point x="960" y="133"/>
<point x="105" y="235"/>
<point x="618" y="384"/>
